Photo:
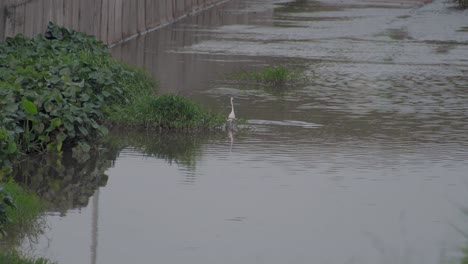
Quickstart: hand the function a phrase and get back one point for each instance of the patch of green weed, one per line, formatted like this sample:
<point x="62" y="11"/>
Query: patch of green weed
<point x="24" y="218"/>
<point x="165" y="111"/>
<point x="14" y="257"/>
<point x="273" y="76"/>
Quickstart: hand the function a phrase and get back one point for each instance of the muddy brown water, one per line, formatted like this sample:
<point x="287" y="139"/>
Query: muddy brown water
<point x="365" y="161"/>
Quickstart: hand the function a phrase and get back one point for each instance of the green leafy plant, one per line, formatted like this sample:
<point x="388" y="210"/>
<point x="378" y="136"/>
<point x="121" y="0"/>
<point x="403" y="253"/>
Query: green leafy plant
<point x="50" y="96"/>
<point x="61" y="90"/>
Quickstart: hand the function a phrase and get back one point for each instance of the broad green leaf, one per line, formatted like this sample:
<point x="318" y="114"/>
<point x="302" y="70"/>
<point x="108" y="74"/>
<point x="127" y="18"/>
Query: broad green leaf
<point x="44" y="138"/>
<point x="83" y="130"/>
<point x="85" y="147"/>
<point x="12" y="147"/>
<point x="56" y="122"/>
<point x="103" y="130"/>
<point x="54" y="147"/>
<point x="29" y="107"/>
<point x="39" y="127"/>
<point x="61" y="137"/>
<point x="3" y="133"/>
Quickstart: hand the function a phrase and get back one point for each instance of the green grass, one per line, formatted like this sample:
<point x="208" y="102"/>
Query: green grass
<point x="25" y="218"/>
<point x="13" y="257"/>
<point x="165" y="111"/>
<point x="275" y="76"/>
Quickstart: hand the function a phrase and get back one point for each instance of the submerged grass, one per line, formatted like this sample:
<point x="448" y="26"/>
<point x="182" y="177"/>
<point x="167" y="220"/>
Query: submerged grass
<point x="14" y="257"/>
<point x="273" y="76"/>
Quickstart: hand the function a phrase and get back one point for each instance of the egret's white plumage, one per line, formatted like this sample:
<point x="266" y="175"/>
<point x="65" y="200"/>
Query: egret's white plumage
<point x="232" y="115"/>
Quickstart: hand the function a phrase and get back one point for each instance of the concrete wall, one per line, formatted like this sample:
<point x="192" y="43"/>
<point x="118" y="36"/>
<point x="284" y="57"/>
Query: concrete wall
<point x="111" y="21"/>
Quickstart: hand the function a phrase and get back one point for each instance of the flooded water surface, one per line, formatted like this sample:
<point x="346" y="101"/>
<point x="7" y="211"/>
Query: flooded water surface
<point x="365" y="161"/>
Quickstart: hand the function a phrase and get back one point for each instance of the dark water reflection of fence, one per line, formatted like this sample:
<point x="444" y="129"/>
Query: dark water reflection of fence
<point x="109" y="20"/>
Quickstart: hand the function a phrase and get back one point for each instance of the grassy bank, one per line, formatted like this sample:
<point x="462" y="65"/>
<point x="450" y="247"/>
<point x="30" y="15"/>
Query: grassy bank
<point x="164" y="112"/>
<point x="23" y="218"/>
<point x="20" y="217"/>
<point x="60" y="91"/>
<point x="13" y="257"/>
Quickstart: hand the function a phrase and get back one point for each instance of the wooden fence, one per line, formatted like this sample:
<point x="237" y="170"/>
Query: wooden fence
<point x="111" y="21"/>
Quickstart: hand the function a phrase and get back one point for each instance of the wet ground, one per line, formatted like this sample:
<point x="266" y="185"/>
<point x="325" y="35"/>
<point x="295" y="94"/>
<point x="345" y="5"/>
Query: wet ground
<point x="363" y="162"/>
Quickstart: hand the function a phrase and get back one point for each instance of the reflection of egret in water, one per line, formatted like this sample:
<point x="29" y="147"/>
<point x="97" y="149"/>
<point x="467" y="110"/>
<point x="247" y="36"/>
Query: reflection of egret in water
<point x="231" y="125"/>
<point x="231" y="137"/>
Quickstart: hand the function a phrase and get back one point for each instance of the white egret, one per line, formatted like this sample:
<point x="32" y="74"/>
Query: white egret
<point x="232" y="115"/>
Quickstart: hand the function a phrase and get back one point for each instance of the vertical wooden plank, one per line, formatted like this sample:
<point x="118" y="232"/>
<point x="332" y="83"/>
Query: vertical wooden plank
<point x="186" y="9"/>
<point x="9" y="21"/>
<point x="140" y="49"/>
<point x="130" y="17"/>
<point x="118" y="21"/>
<point x="111" y="22"/>
<point x="85" y="18"/>
<point x="104" y="20"/>
<point x="150" y="45"/>
<point x="2" y="20"/>
<point x="177" y="6"/>
<point x="81" y="21"/>
<point x="141" y="16"/>
<point x="19" y="18"/>
<point x="46" y="15"/>
<point x="134" y="17"/>
<point x="96" y="25"/>
<point x="38" y="6"/>
<point x="170" y="10"/>
<point x="57" y="12"/>
<point x="67" y="13"/>
<point x="126" y="18"/>
<point x="162" y="11"/>
<point x="174" y="9"/>
<point x="149" y="13"/>
<point x="156" y="15"/>
<point x="76" y="14"/>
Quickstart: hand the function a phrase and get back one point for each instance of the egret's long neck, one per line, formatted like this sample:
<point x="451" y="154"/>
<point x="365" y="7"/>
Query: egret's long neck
<point x="232" y="105"/>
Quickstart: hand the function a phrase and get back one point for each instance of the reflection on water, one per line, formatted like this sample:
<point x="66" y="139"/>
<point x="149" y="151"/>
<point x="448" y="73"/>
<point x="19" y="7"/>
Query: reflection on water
<point x="180" y="148"/>
<point x="64" y="182"/>
<point x="365" y="163"/>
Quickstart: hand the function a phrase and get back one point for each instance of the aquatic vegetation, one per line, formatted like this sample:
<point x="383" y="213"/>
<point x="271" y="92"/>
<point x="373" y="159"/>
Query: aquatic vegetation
<point x="24" y="216"/>
<point x="165" y="111"/>
<point x="52" y="98"/>
<point x="462" y="3"/>
<point x="14" y="257"/>
<point x="271" y="76"/>
<point x="6" y="203"/>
